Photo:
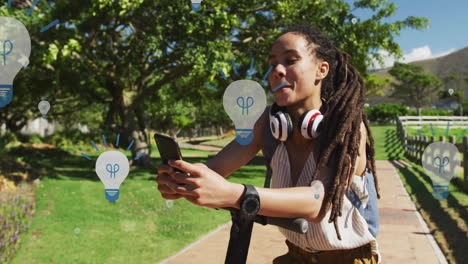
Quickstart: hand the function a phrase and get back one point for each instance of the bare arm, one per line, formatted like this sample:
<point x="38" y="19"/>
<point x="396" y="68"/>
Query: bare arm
<point x="233" y="156"/>
<point x="361" y="160"/>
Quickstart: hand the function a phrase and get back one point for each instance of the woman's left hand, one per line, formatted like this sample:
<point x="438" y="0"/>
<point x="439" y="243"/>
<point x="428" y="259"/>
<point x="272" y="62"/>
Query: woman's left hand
<point x="203" y="186"/>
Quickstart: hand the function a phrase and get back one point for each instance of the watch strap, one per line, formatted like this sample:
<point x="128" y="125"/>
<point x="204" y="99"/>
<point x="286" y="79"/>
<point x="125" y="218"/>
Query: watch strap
<point x="250" y="190"/>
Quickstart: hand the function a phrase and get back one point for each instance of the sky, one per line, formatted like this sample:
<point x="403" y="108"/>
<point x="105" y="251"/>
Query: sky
<point x="448" y="29"/>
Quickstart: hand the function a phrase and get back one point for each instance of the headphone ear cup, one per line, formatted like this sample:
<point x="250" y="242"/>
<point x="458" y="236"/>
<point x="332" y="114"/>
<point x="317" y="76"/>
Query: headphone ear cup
<point x="275" y="126"/>
<point x="310" y="125"/>
<point x="280" y="124"/>
<point x="289" y="126"/>
<point x="317" y="125"/>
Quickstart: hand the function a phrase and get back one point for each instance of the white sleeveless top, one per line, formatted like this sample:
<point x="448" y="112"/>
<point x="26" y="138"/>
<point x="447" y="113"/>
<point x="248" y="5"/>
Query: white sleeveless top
<point x="322" y="236"/>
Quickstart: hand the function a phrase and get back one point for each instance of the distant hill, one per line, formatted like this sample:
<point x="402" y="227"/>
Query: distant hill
<point x="455" y="62"/>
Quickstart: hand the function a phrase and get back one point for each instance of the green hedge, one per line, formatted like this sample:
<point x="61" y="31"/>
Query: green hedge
<point x="432" y="112"/>
<point x="7" y="138"/>
<point x="385" y="113"/>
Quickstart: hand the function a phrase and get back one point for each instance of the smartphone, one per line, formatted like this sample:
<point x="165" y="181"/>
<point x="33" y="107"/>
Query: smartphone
<point x="168" y="148"/>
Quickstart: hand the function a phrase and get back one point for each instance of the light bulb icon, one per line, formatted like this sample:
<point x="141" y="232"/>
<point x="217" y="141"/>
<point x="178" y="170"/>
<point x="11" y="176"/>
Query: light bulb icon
<point x="44" y="107"/>
<point x="244" y="102"/>
<point x="112" y="168"/>
<point x="441" y="160"/>
<point x="15" y="48"/>
<point x="196" y="5"/>
<point x="169" y="204"/>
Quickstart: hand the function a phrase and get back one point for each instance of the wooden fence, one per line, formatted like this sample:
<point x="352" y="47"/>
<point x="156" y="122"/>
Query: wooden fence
<point x="415" y="145"/>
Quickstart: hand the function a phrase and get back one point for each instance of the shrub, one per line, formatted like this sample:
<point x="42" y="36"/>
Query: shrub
<point x="433" y="112"/>
<point x="465" y="109"/>
<point x="67" y="138"/>
<point x="6" y="139"/>
<point x="35" y="139"/>
<point x="15" y="216"/>
<point x="385" y="113"/>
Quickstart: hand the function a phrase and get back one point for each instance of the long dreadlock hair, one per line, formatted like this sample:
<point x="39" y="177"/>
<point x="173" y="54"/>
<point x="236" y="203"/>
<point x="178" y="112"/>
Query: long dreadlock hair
<point x="344" y="92"/>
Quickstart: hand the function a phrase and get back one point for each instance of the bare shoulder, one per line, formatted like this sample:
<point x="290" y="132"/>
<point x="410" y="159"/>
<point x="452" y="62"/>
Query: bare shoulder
<point x="259" y="127"/>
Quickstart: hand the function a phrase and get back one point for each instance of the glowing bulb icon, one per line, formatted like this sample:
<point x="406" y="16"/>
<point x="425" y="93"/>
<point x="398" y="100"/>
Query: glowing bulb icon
<point x="44" y="107"/>
<point x="244" y="102"/>
<point x="196" y="5"/>
<point x="441" y="161"/>
<point x="169" y="204"/>
<point x="15" y="48"/>
<point x="112" y="168"/>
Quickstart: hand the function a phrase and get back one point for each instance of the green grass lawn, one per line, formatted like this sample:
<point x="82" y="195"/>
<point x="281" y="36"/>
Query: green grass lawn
<point x="218" y="142"/>
<point x="74" y="223"/>
<point x="386" y="143"/>
<point x="426" y="131"/>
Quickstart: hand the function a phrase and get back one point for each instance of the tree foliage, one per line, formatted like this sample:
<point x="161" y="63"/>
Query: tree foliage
<point x="134" y="65"/>
<point x="413" y="85"/>
<point x="374" y="84"/>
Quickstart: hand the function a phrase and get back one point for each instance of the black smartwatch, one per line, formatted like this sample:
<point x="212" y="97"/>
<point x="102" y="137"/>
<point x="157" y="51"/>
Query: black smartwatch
<point x="250" y="202"/>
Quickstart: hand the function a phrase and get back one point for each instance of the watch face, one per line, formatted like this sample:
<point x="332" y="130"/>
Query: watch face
<point x="250" y="206"/>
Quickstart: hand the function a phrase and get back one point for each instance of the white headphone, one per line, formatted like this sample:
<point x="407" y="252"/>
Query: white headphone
<point x="281" y="125"/>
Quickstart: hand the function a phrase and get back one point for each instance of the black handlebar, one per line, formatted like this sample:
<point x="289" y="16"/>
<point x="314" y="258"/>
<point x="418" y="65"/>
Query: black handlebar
<point x="298" y="225"/>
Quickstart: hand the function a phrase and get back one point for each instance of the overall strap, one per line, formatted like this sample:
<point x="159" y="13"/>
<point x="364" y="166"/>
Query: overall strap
<point x="268" y="148"/>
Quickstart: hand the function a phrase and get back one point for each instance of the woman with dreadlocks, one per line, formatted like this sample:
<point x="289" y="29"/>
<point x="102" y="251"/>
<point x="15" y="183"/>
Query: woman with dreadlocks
<point x="323" y="166"/>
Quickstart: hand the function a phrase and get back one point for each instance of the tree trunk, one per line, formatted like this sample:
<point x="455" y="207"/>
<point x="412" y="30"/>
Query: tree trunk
<point x="133" y="128"/>
<point x="142" y="140"/>
<point x="221" y="131"/>
<point x="173" y="132"/>
<point x="14" y="126"/>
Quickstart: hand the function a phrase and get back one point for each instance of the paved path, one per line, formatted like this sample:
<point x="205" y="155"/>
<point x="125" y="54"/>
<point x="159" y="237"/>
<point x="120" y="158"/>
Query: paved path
<point x="403" y="237"/>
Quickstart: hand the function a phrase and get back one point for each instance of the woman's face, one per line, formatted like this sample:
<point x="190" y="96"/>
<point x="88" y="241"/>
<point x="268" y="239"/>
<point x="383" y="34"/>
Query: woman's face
<point x="296" y="66"/>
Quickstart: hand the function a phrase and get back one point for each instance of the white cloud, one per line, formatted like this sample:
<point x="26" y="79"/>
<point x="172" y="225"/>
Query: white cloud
<point x="417" y="54"/>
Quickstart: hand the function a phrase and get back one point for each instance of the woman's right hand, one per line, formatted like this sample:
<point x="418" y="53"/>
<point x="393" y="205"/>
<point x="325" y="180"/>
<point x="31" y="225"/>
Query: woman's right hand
<point x="166" y="183"/>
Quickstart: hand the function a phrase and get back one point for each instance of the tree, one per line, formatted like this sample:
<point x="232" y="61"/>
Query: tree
<point x="374" y="84"/>
<point x="413" y="85"/>
<point x="449" y="82"/>
<point x="167" y="112"/>
<point x="117" y="55"/>
<point x="47" y="76"/>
